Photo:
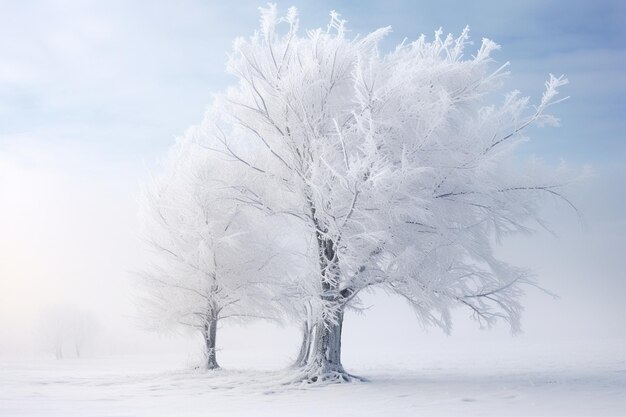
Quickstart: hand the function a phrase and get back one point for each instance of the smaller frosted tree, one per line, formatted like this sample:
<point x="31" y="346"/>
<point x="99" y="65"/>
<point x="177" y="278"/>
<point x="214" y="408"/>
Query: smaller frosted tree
<point x="207" y="265"/>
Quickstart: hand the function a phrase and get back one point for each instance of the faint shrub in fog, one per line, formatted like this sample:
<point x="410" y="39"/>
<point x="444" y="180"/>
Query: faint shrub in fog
<point x="66" y="330"/>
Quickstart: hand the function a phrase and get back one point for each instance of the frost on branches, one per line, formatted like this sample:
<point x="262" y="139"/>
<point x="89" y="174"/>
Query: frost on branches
<point x="390" y="170"/>
<point x="205" y="268"/>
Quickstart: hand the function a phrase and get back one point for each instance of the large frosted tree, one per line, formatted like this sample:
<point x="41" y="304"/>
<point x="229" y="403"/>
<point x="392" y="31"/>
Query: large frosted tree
<point x="395" y="170"/>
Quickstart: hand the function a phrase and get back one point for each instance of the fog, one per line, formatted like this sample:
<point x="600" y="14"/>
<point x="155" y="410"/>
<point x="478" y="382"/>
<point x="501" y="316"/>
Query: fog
<point x="91" y="96"/>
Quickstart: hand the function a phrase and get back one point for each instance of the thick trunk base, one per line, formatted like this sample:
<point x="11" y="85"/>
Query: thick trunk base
<point x="212" y="364"/>
<point x="324" y="362"/>
<point x="326" y="374"/>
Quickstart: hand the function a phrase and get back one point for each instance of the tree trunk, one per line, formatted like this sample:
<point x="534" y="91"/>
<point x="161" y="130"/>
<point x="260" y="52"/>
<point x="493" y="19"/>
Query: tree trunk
<point x="327" y="352"/>
<point x="209" y="333"/>
<point x="305" y="347"/>
<point x="325" y="357"/>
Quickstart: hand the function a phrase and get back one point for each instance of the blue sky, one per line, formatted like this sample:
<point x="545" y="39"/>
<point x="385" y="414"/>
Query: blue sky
<point x="123" y="77"/>
<point x="93" y="92"/>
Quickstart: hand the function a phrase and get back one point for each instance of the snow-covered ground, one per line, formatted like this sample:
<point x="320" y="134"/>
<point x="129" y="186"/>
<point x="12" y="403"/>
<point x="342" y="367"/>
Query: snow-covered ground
<point x="451" y="380"/>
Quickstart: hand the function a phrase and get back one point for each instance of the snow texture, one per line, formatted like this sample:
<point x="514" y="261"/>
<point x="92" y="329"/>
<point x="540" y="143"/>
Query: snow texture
<point x="524" y="380"/>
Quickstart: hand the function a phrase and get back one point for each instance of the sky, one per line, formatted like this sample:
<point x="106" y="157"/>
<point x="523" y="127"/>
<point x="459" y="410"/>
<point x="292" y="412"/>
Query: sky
<point x="92" y="94"/>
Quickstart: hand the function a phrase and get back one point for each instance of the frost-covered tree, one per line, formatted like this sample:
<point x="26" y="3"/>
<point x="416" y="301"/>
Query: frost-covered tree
<point x="205" y="269"/>
<point x="82" y="328"/>
<point x="395" y="170"/>
<point x="53" y="330"/>
<point x="66" y="328"/>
